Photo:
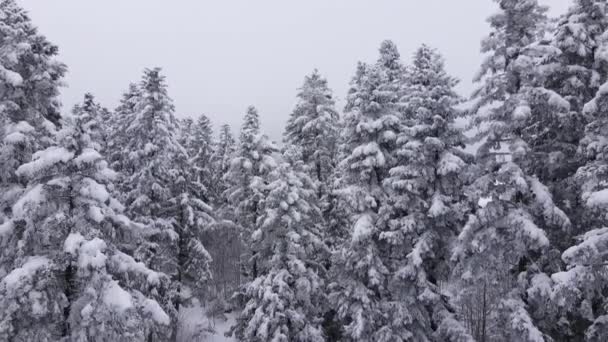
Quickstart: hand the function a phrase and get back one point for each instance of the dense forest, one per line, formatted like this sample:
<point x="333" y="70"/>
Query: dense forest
<point x="411" y="214"/>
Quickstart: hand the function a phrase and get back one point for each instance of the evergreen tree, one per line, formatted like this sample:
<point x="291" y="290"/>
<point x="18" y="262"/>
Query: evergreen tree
<point x="94" y="115"/>
<point x="504" y="245"/>
<point x="580" y="66"/>
<point x="567" y="71"/>
<point x="121" y="118"/>
<point x="371" y="126"/>
<point x="313" y="126"/>
<point x="67" y="277"/>
<point x="220" y="161"/>
<point x="283" y="303"/>
<point x="161" y="191"/>
<point x="30" y="78"/>
<point x="390" y="63"/>
<point x="578" y="293"/>
<point x="202" y="146"/>
<point x="186" y="132"/>
<point x="424" y="207"/>
<point x="247" y="178"/>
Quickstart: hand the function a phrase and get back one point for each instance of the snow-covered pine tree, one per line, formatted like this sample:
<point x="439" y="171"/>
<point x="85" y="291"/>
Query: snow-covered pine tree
<point x="186" y="132"/>
<point x="161" y="192"/>
<point x="220" y="161"/>
<point x="579" y="292"/>
<point x="68" y="279"/>
<point x="121" y="118"/>
<point x="336" y="213"/>
<point x="92" y="115"/>
<point x="313" y="126"/>
<point x="247" y="178"/>
<point x="424" y="208"/>
<point x="390" y="63"/>
<point x="223" y="242"/>
<point x="359" y="273"/>
<point x="30" y="78"/>
<point x="504" y="244"/>
<point x="593" y="177"/>
<point x="284" y="302"/>
<point x="147" y="157"/>
<point x="566" y="71"/>
<point x="201" y="151"/>
<point x="581" y="65"/>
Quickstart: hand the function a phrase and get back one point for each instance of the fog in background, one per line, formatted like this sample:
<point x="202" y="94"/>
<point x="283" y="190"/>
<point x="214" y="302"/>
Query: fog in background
<point x="221" y="56"/>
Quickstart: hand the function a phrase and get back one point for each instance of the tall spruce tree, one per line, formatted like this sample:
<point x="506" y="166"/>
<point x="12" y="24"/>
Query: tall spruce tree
<point x="68" y="278"/>
<point x="247" y="178"/>
<point x="202" y="147"/>
<point x="221" y="159"/>
<point x="313" y="127"/>
<point x="579" y="292"/>
<point x="30" y="78"/>
<point x="160" y="191"/>
<point x="425" y="206"/>
<point x="390" y="63"/>
<point x="566" y="70"/>
<point x="121" y="118"/>
<point x="504" y="245"/>
<point x="371" y="125"/>
<point x="95" y="116"/>
<point x="285" y="301"/>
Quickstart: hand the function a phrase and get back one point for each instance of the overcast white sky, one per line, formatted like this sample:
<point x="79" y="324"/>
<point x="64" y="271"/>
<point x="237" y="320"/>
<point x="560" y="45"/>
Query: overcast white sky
<point x="220" y="56"/>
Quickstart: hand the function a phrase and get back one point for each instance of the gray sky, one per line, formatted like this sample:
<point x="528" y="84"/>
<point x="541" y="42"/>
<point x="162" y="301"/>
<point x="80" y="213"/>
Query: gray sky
<point x="220" y="56"/>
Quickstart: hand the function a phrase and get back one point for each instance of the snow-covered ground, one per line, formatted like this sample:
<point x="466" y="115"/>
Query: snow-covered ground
<point x="197" y="327"/>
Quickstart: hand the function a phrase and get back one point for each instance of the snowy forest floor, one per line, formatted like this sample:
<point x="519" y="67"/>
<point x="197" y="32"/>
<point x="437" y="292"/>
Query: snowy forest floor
<point x="197" y="326"/>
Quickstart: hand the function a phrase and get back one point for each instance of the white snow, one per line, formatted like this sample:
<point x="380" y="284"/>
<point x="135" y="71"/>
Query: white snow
<point x="117" y="298"/>
<point x="149" y="147"/>
<point x="92" y="254"/>
<point x="14" y="138"/>
<point x="437" y="208"/>
<point x="566" y="278"/>
<point x="541" y="285"/>
<point x="363" y="229"/>
<point x="15" y="133"/>
<point x="18" y="276"/>
<point x="556" y="100"/>
<point x="194" y="318"/>
<point x="6" y="228"/>
<point x="72" y="243"/>
<point x="522" y="112"/>
<point x="94" y="190"/>
<point x="95" y="214"/>
<point x="23" y="127"/>
<point x="45" y="159"/>
<point x="591" y="247"/>
<point x="87" y="156"/>
<point x="31" y="198"/>
<point x="487" y="109"/>
<point x="86" y="311"/>
<point x="550" y="211"/>
<point x="483" y="201"/>
<point x="449" y="163"/>
<point x="529" y="229"/>
<point x="126" y="263"/>
<point x="158" y="314"/>
<point x="598" y="198"/>
<point x="521" y="321"/>
<point x="591" y="106"/>
<point x="11" y="77"/>
<point x="107" y="173"/>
